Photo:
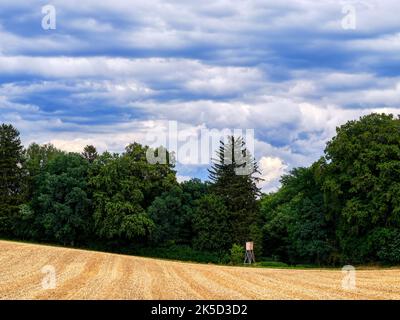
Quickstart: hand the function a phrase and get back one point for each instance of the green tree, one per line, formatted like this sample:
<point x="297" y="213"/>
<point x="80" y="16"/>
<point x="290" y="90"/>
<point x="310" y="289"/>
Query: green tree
<point x="361" y="180"/>
<point x="212" y="225"/>
<point x="234" y="176"/>
<point x="61" y="204"/>
<point x="90" y="153"/>
<point x="36" y="159"/>
<point x="11" y="176"/>
<point x="311" y="235"/>
<point x="173" y="212"/>
<point x="237" y="254"/>
<point x="296" y="228"/>
<point x="169" y="213"/>
<point x="123" y="188"/>
<point x="193" y="190"/>
<point x="25" y="225"/>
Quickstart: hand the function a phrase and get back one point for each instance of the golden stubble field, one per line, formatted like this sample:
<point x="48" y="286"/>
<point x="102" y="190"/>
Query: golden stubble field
<point x="81" y="274"/>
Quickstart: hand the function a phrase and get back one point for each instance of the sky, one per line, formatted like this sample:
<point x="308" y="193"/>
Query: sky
<point x="109" y="73"/>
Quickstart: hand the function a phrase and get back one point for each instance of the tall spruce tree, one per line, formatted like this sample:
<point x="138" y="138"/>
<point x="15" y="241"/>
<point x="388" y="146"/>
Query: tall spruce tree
<point x="11" y="176"/>
<point x="234" y="177"/>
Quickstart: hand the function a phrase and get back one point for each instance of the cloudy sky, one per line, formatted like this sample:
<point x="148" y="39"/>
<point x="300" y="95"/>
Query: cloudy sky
<point x="113" y="71"/>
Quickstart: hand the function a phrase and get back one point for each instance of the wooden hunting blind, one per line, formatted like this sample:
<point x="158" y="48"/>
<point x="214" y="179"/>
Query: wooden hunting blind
<point x="249" y="257"/>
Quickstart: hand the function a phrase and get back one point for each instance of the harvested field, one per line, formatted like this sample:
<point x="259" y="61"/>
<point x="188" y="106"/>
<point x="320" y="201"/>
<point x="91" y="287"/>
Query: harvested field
<point x="94" y="275"/>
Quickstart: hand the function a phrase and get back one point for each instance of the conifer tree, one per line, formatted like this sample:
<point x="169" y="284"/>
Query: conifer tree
<point x="11" y="176"/>
<point x="234" y="177"/>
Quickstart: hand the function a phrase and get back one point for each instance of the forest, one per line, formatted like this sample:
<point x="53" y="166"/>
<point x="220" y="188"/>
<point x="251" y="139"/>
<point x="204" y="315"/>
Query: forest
<point x="343" y="209"/>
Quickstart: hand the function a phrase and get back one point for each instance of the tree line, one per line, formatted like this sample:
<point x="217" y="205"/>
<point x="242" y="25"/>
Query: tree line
<point x="344" y="208"/>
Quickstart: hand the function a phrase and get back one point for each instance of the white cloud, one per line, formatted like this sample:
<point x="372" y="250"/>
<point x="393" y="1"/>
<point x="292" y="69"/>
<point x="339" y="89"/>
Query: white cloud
<point x="217" y="80"/>
<point x="180" y="178"/>
<point x="272" y="168"/>
<point x="285" y="68"/>
<point x="89" y="24"/>
<point x="191" y="75"/>
<point x="13" y="44"/>
<point x="6" y="104"/>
